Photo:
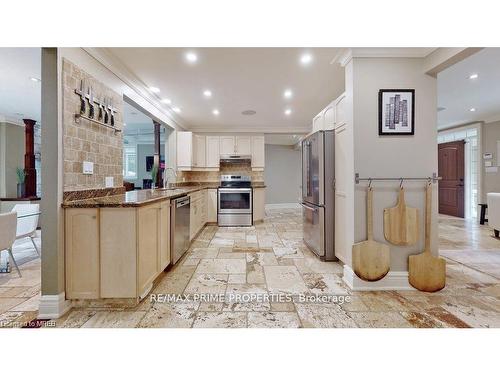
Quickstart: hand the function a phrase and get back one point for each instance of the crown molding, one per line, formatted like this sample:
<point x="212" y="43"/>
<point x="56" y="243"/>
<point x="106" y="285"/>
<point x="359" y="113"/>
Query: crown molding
<point x="11" y="120"/>
<point x="105" y="57"/>
<point x="268" y="130"/>
<point x="347" y="54"/>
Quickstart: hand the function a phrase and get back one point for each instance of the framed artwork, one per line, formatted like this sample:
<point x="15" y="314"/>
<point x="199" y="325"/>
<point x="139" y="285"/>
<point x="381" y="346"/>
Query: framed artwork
<point x="396" y="112"/>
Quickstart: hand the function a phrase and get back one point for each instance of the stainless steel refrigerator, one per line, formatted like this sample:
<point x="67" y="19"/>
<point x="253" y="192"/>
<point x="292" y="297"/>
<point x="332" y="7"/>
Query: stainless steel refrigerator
<point x="318" y="193"/>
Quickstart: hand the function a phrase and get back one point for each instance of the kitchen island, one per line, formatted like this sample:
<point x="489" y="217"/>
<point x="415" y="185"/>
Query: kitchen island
<point x="117" y="246"/>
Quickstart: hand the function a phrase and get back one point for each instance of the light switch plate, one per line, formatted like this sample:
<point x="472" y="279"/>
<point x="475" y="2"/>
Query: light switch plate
<point x="88" y="167"/>
<point x="109" y="181"/>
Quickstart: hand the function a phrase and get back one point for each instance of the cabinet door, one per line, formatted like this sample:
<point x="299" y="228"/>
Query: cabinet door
<point x="164" y="253"/>
<point x="258" y="152"/>
<point x="259" y="200"/>
<point x="192" y="220"/>
<point x="213" y="152"/>
<point x="203" y="205"/>
<point x="212" y="206"/>
<point x="244" y="145"/>
<point x="82" y="253"/>
<point x="342" y="181"/>
<point x="318" y="122"/>
<point x="199" y="151"/>
<point x="340" y="111"/>
<point x="148" y="245"/>
<point x="329" y="117"/>
<point x="227" y="145"/>
<point x="184" y="149"/>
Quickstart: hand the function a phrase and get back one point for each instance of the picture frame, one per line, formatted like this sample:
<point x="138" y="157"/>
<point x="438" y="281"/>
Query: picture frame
<point x="396" y="112"/>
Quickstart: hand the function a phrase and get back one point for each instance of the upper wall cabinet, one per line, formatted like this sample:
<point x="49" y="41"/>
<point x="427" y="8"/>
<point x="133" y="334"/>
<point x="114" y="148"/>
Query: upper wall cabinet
<point x="258" y="151"/>
<point x="202" y="152"/>
<point x="213" y="151"/>
<point x="332" y="116"/>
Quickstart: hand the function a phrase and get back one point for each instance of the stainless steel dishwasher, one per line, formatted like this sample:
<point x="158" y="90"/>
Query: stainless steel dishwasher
<point x="179" y="234"/>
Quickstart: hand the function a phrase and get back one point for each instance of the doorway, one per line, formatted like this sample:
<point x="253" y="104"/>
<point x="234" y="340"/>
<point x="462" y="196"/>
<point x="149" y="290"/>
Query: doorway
<point x="451" y="168"/>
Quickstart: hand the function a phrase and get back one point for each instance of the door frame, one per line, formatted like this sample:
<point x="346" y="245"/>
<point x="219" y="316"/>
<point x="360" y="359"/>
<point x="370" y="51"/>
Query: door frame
<point x="467" y="160"/>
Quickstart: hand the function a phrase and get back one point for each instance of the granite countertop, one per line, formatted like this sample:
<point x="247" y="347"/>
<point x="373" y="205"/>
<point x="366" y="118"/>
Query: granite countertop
<point x="137" y="198"/>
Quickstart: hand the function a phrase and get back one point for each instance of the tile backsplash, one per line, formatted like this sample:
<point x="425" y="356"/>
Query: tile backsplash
<point x="225" y="168"/>
<point x="88" y="141"/>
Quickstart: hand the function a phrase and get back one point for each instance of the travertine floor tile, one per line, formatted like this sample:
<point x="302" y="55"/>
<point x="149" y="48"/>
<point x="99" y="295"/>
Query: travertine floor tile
<point x="323" y="316"/>
<point x="114" y="319"/>
<point x="273" y="320"/>
<point x="221" y="266"/>
<point x="170" y="315"/>
<point x="220" y="320"/>
<point x="284" y="279"/>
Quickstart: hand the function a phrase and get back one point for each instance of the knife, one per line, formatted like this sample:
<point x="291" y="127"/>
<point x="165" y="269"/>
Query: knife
<point x="112" y="112"/>
<point x="100" y="105"/>
<point x="106" y="116"/>
<point x="91" y="102"/>
<point x="82" y="97"/>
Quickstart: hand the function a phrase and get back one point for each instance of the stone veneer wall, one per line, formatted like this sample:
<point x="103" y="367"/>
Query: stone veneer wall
<point x="88" y="141"/>
<point x="213" y="176"/>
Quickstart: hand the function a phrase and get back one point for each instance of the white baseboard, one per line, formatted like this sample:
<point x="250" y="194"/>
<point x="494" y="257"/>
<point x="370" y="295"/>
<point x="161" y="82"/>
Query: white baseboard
<point x="53" y="306"/>
<point x="281" y="205"/>
<point x="394" y="280"/>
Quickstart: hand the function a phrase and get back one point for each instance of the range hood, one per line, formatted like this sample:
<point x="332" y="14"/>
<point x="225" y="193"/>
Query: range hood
<point x="235" y="159"/>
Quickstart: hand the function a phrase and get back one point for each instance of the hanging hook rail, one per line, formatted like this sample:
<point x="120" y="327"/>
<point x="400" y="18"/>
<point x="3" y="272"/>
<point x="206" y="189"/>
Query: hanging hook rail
<point x="433" y="179"/>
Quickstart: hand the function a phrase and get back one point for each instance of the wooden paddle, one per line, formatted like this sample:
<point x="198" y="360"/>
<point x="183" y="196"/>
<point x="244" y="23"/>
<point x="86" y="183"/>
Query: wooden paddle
<point x="425" y="271"/>
<point x="401" y="223"/>
<point x="370" y="259"/>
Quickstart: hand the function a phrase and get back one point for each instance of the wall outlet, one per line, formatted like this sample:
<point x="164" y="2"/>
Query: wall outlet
<point x="88" y="167"/>
<point x="109" y="181"/>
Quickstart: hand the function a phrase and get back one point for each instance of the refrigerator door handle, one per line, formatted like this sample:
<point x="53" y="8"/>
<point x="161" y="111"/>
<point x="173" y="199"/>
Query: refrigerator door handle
<point x="307" y="207"/>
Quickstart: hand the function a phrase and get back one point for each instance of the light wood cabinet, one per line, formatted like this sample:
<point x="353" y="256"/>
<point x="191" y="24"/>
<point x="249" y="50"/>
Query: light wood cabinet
<point x="164" y="252"/>
<point x="198" y="212"/>
<point x="115" y="252"/>
<point x="212" y="205"/>
<point x="212" y="151"/>
<point x="82" y="253"/>
<point x="184" y="150"/>
<point x="259" y="201"/>
<point x="258" y="151"/>
<point x="199" y="151"/>
<point x="227" y="145"/>
<point x="243" y="145"/>
<point x="148" y="241"/>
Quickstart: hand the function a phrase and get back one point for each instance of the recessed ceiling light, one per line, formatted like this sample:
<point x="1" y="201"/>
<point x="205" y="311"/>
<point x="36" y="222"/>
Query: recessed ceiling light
<point x="472" y="109"/>
<point x="288" y="94"/>
<point x="166" y="101"/>
<point x="154" y="89"/>
<point x="34" y="79"/>
<point x="207" y="93"/>
<point x="288" y="111"/>
<point x="191" y="57"/>
<point x="306" y="59"/>
<point x="215" y="112"/>
<point x="473" y="76"/>
<point x="176" y="109"/>
<point x="248" y="112"/>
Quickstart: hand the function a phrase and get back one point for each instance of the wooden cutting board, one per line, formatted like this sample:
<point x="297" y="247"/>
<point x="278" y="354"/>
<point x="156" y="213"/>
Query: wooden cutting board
<point x="401" y="223"/>
<point x="425" y="271"/>
<point x="370" y="259"/>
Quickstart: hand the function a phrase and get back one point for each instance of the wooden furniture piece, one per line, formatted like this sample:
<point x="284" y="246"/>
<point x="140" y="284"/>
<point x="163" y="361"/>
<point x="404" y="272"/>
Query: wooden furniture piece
<point x="425" y="271"/>
<point x="482" y="215"/>
<point x="370" y="259"/>
<point x="259" y="199"/>
<point x="29" y="158"/>
<point x="451" y="169"/>
<point x="401" y="223"/>
<point x="116" y="252"/>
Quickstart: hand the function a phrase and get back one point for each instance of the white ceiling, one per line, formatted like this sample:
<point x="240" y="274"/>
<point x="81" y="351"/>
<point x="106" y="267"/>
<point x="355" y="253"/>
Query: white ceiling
<point x="240" y="79"/>
<point x="458" y="94"/>
<point x="19" y="95"/>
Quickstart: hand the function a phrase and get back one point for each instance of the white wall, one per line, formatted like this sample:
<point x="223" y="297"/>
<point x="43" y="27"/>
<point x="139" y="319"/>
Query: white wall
<point x="393" y="156"/>
<point x="282" y="174"/>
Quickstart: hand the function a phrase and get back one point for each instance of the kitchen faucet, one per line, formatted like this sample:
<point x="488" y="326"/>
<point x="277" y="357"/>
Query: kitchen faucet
<point x="165" y="177"/>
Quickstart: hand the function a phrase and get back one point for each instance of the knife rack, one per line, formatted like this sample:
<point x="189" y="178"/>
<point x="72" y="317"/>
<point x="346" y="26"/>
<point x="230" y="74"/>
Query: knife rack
<point x="79" y="116"/>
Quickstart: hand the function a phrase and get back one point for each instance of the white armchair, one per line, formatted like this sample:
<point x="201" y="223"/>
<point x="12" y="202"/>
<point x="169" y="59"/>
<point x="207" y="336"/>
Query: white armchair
<point x="8" y="234"/>
<point x="26" y="226"/>
<point x="494" y="212"/>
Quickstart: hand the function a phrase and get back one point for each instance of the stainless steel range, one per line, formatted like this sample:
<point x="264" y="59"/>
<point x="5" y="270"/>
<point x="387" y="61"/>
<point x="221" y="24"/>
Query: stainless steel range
<point x="234" y="207"/>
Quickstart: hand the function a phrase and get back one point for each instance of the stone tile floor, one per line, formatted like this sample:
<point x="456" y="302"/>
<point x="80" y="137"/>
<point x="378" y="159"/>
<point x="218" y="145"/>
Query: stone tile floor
<point x="270" y="259"/>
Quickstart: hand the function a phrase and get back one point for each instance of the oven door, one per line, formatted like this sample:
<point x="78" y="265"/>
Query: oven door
<point x="234" y="201"/>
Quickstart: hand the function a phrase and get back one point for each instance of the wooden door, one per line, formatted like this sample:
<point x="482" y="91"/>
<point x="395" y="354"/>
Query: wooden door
<point x="213" y="152"/>
<point x="227" y="146"/>
<point x="243" y="145"/>
<point x="451" y="168"/>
